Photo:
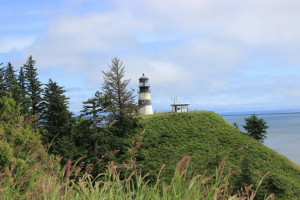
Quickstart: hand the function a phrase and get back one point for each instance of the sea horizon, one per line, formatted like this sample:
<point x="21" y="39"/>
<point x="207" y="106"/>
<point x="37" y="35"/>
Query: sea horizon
<point x="259" y="112"/>
<point x="283" y="134"/>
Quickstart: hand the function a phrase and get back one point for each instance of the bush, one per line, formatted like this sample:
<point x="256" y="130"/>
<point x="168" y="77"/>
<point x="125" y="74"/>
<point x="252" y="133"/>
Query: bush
<point x="256" y="128"/>
<point x="23" y="156"/>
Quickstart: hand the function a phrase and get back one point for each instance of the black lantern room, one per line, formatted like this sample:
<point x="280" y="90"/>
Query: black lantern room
<point x="144" y="85"/>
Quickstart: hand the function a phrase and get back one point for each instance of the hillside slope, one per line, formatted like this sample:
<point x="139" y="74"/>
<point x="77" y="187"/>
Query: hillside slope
<point x="208" y="138"/>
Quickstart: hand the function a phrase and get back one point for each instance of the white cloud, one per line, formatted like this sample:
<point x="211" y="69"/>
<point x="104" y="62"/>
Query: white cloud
<point x="254" y="22"/>
<point x="70" y="38"/>
<point x="188" y="47"/>
<point x="8" y="44"/>
<point x="120" y="30"/>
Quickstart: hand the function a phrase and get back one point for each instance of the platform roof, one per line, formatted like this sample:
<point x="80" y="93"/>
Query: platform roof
<point x="180" y="104"/>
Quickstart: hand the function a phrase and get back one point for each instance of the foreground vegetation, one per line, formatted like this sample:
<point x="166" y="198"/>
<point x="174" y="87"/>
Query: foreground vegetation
<point x="110" y="185"/>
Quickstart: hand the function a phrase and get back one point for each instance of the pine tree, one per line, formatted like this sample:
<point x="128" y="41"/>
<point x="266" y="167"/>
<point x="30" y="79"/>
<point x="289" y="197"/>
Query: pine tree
<point x="55" y="116"/>
<point x="22" y="92"/>
<point x="10" y="80"/>
<point x="95" y="108"/>
<point x="33" y="86"/>
<point x="256" y="128"/>
<point x="56" y="120"/>
<point x="115" y="87"/>
<point x="2" y="82"/>
<point x="122" y="107"/>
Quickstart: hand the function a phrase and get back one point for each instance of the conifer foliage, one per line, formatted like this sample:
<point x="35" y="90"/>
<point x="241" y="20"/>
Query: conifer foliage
<point x="256" y="127"/>
<point x="11" y="81"/>
<point x="115" y="87"/>
<point x="95" y="109"/>
<point x="123" y="105"/>
<point x="56" y="117"/>
<point x="33" y="86"/>
<point x="23" y="99"/>
<point x="2" y="83"/>
<point x="107" y="125"/>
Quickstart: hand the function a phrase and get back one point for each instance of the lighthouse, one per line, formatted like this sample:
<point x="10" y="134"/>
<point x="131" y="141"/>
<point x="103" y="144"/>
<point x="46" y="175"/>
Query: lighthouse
<point x="144" y="96"/>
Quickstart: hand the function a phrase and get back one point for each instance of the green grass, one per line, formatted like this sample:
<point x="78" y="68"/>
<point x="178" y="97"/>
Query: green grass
<point x="153" y="115"/>
<point x="207" y="138"/>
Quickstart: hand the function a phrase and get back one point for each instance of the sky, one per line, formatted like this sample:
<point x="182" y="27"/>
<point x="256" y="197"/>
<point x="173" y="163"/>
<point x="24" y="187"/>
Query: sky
<point x="223" y="56"/>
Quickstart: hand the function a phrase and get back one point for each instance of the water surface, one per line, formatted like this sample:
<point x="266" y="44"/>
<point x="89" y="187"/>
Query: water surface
<point x="283" y="133"/>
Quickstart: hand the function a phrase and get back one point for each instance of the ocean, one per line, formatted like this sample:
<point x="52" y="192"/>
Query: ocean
<point x="283" y="134"/>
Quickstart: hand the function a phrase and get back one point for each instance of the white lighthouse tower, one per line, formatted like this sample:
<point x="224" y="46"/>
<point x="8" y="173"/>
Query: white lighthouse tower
<point x="144" y="97"/>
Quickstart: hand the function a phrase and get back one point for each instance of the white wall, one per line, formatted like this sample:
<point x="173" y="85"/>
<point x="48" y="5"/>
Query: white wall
<point x="146" y="110"/>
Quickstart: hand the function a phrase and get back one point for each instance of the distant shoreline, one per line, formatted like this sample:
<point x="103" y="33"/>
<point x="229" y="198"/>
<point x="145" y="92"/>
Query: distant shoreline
<point x="275" y="113"/>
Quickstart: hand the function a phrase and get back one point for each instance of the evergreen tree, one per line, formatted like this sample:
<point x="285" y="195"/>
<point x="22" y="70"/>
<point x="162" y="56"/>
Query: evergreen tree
<point x="122" y="107"/>
<point x="22" y="92"/>
<point x="82" y="134"/>
<point x="115" y="87"/>
<point x="2" y="82"/>
<point x="11" y="82"/>
<point x="33" y="87"/>
<point x="95" y="108"/>
<point x="57" y="122"/>
<point x="256" y="128"/>
<point x="55" y="117"/>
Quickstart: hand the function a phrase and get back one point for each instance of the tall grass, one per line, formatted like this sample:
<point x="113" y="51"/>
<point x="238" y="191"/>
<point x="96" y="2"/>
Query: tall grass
<point x="113" y="183"/>
<point x="109" y="185"/>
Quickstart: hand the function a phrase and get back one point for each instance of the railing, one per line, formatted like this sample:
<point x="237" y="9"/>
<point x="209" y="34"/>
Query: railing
<point x="143" y="90"/>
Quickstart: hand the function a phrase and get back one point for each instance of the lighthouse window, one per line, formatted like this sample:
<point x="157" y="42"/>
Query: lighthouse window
<point x="144" y="82"/>
<point x="144" y="102"/>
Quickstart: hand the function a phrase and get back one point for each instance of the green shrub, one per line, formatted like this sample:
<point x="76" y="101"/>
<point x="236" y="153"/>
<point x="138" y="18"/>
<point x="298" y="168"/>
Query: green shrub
<point x="23" y="159"/>
<point x="6" y="154"/>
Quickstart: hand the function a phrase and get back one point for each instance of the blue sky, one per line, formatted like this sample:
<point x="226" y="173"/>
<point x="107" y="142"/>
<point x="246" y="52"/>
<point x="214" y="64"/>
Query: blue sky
<point x="216" y="55"/>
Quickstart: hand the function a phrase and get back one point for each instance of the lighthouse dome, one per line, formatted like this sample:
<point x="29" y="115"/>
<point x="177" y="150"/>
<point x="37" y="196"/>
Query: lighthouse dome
<point x="144" y="82"/>
<point x="143" y="77"/>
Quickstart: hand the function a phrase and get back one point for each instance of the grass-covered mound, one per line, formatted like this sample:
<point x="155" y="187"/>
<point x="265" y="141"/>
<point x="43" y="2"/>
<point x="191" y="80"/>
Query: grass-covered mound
<point x="208" y="138"/>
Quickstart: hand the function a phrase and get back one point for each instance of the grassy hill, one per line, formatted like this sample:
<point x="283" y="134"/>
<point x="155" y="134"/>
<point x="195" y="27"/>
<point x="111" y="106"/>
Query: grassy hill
<point x="208" y="138"/>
